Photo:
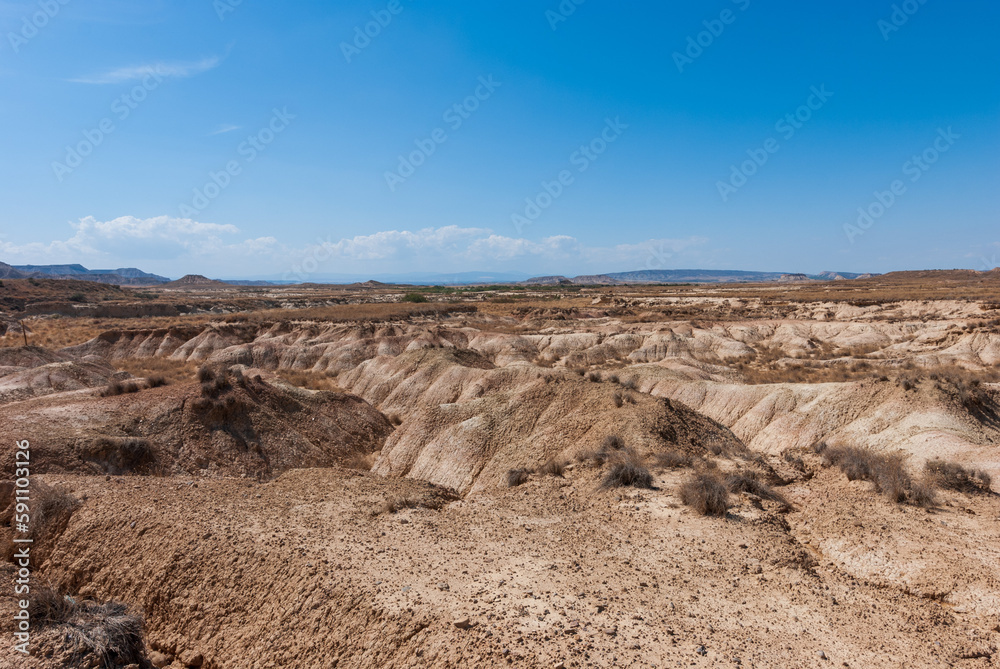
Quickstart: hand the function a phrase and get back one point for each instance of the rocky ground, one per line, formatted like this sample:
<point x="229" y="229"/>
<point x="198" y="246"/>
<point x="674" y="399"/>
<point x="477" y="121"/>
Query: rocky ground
<point x="252" y="522"/>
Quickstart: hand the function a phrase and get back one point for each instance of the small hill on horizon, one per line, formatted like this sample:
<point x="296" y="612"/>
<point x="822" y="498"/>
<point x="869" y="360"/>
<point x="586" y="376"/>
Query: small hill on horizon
<point x="193" y="281"/>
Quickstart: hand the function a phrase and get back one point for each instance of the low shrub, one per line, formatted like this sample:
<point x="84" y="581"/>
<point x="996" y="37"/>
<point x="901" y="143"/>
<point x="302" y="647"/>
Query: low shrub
<point x="953" y="476"/>
<point x="627" y="472"/>
<point x="886" y="471"/>
<point x="923" y="493"/>
<point x="415" y="298"/>
<point x="672" y="459"/>
<point x="553" y="468"/>
<point x="398" y="503"/>
<point x="117" y="387"/>
<point x="107" y="632"/>
<point x="516" y="477"/>
<point x="156" y="381"/>
<point x="749" y="482"/>
<point x="706" y="493"/>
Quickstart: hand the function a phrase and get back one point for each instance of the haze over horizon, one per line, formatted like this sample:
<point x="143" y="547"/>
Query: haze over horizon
<point x="238" y="140"/>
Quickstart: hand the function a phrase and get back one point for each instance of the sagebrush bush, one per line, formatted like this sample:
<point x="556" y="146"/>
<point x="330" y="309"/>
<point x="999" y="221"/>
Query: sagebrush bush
<point x="749" y="482"/>
<point x="117" y="387"/>
<point x="671" y="459"/>
<point x="922" y="493"/>
<point x="553" y="468"/>
<point x="706" y="493"/>
<point x="398" y="503"/>
<point x="627" y="473"/>
<point x="107" y="631"/>
<point x="887" y="472"/>
<point x="953" y="476"/>
<point x="516" y="477"/>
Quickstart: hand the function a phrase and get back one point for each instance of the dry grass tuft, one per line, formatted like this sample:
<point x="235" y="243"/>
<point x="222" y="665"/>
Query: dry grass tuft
<point x="170" y="371"/>
<point x="516" y="477"/>
<point x="672" y="459"/>
<point x="100" y="634"/>
<point x="627" y="470"/>
<point x="953" y="476"/>
<point x="309" y="380"/>
<point x="887" y="472"/>
<point x="398" y="503"/>
<point x="360" y="461"/>
<point x="706" y="493"/>
<point x="553" y="468"/>
<point x="117" y="387"/>
<point x="749" y="482"/>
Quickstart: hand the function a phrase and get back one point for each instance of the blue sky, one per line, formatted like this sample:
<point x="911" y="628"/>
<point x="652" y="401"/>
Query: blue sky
<point x="251" y="139"/>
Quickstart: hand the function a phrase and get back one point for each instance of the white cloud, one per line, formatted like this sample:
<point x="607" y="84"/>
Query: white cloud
<point x="176" y="246"/>
<point x="453" y="248"/>
<point x="224" y="128"/>
<point x="158" y="238"/>
<point x="176" y="70"/>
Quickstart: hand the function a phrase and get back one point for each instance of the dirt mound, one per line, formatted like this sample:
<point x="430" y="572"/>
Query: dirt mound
<point x="55" y="377"/>
<point x="554" y="571"/>
<point x="471" y="445"/>
<point x="234" y="425"/>
<point x="25" y="357"/>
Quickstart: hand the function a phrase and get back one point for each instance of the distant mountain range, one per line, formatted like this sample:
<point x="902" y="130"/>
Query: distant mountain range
<point x="130" y="276"/>
<point x="123" y="276"/>
<point x="690" y="276"/>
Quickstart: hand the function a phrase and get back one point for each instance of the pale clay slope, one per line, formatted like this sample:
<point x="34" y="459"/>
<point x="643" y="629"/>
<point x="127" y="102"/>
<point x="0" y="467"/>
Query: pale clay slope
<point x="388" y="366"/>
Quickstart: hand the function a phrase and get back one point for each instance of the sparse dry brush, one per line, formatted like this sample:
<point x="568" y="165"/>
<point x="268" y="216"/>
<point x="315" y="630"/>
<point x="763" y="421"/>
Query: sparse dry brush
<point x="627" y="472"/>
<point x="51" y="509"/>
<point x="117" y="387"/>
<point x="553" y="468"/>
<point x="672" y="459"/>
<point x="104" y="634"/>
<point x="398" y="503"/>
<point x="887" y="473"/>
<point x="706" y="493"/>
<point x="309" y="379"/>
<point x="953" y="476"/>
<point x="516" y="477"/>
<point x="749" y="482"/>
<point x="157" y="369"/>
<point x="120" y="455"/>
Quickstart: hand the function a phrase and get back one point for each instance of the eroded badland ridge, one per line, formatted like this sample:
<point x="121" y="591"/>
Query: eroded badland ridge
<point x="754" y="475"/>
